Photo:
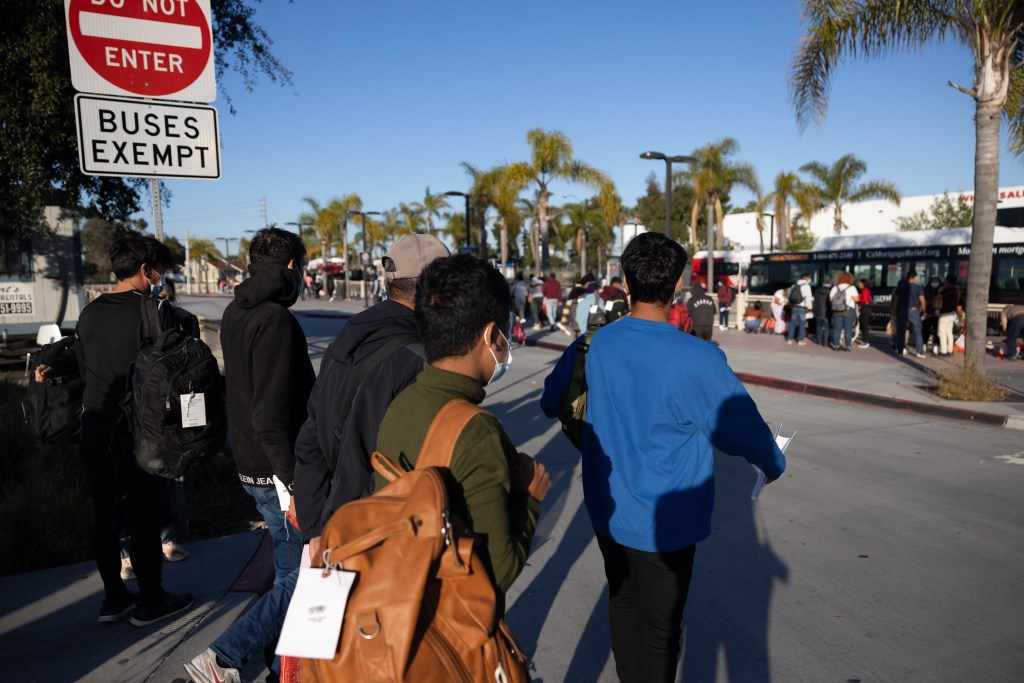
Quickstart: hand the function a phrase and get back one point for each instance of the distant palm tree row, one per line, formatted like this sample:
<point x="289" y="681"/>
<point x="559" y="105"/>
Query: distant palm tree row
<point x="516" y="201"/>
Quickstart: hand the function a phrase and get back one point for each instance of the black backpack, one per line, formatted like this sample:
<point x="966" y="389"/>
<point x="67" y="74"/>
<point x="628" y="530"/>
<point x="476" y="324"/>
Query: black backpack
<point x="53" y="408"/>
<point x="174" y="369"/>
<point x="796" y="295"/>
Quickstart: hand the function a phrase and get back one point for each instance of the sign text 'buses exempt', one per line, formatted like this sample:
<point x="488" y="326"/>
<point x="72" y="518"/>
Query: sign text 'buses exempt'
<point x="130" y="137"/>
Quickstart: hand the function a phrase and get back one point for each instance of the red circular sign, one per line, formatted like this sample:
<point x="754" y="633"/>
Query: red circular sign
<point x="147" y="47"/>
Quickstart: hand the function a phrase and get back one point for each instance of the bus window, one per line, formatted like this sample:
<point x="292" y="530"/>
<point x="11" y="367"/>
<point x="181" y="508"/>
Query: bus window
<point x="784" y="274"/>
<point x="925" y="269"/>
<point x="834" y="268"/>
<point x="758" y="274"/>
<point x="1008" y="273"/>
<point x="872" y="271"/>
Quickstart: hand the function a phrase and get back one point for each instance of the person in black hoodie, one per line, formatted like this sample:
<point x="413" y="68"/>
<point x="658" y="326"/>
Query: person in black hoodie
<point x="703" y="310"/>
<point x="268" y="378"/>
<point x="377" y="354"/>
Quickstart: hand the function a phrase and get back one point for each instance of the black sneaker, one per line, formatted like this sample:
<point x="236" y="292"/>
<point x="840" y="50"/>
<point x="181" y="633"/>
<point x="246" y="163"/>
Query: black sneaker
<point x="171" y="604"/>
<point x="113" y="611"/>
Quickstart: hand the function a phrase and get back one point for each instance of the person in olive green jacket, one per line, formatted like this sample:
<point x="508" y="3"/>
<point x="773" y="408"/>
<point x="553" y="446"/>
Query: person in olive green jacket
<point x="462" y="313"/>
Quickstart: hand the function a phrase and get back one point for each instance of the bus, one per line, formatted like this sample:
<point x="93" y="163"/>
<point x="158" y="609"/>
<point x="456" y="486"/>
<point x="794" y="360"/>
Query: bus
<point x="884" y="259"/>
<point x="730" y="268"/>
<point x="40" y="282"/>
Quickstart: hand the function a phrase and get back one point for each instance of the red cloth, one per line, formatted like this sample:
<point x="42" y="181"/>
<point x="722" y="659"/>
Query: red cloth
<point x="865" y="297"/>
<point x="552" y="289"/>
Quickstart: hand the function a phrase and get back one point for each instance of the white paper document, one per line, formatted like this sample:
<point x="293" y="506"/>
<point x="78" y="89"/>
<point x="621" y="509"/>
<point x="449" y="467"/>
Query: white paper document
<point x="193" y="410"/>
<point x="283" y="497"/>
<point x="783" y="443"/>
<point x="312" y="625"/>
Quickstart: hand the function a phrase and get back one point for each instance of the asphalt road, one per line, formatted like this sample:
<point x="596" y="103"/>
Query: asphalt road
<point x="891" y="550"/>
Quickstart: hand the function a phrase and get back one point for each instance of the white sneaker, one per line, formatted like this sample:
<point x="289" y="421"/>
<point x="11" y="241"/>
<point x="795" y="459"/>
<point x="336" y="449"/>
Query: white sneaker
<point x="920" y="355"/>
<point x="204" y="669"/>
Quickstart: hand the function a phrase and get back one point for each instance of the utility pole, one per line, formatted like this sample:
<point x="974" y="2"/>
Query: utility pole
<point x="158" y="217"/>
<point x="188" y="263"/>
<point x="263" y="204"/>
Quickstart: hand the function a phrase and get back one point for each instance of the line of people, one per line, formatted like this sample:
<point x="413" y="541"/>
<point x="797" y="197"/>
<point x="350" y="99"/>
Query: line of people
<point x="442" y="335"/>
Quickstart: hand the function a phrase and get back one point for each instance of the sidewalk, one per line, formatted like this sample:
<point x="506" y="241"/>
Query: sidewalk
<point x="871" y="376"/>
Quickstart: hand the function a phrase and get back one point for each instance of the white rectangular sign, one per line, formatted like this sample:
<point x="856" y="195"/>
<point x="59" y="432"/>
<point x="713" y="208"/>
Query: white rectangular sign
<point x="159" y="49"/>
<point x="16" y="298"/>
<point x="122" y="137"/>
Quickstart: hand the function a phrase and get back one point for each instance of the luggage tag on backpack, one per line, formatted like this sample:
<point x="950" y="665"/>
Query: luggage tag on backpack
<point x="193" y="410"/>
<point x="312" y="625"/>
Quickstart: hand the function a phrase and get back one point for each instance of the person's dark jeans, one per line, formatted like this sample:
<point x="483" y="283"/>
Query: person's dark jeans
<point x="120" y="490"/>
<point x="797" y="324"/>
<point x="865" y="324"/>
<point x="723" y="315"/>
<point x="646" y="597"/>
<point x="258" y="630"/>
<point x="1014" y="327"/>
<point x="702" y="332"/>
<point x="821" y="330"/>
<point x="842" y="323"/>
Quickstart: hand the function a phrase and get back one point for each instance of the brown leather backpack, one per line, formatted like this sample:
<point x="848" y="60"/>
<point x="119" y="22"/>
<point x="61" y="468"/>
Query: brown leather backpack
<point x="423" y="606"/>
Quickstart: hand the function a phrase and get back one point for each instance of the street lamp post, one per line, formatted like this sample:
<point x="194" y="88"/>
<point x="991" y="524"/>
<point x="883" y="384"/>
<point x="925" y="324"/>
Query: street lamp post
<point x="771" y="231"/>
<point x="679" y="159"/>
<point x="465" y="195"/>
<point x="227" y="245"/>
<point x="363" y="215"/>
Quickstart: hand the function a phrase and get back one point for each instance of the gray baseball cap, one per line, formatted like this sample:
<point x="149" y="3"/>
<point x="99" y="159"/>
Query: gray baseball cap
<point x="410" y="254"/>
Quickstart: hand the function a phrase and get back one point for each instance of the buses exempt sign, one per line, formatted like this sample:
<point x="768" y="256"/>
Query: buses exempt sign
<point x="123" y="137"/>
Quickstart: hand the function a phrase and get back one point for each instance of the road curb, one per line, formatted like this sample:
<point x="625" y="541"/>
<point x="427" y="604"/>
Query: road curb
<point x="879" y="401"/>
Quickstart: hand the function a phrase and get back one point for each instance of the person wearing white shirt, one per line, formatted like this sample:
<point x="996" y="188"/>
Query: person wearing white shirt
<point x="843" y="298"/>
<point x="800" y="298"/>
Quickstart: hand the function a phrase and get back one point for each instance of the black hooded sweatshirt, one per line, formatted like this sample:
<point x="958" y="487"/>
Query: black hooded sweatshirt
<point x="324" y="483"/>
<point x="267" y="374"/>
<point x="702" y="307"/>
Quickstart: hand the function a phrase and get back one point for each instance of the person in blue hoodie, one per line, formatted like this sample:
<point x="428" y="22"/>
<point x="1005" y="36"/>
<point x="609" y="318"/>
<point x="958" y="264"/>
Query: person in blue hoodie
<point x="652" y="425"/>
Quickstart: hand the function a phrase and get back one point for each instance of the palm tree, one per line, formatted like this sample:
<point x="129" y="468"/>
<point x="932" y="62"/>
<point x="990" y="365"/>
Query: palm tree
<point x="431" y="207"/>
<point x="328" y="221"/>
<point x="551" y="158"/>
<point x="202" y="247"/>
<point x="790" y="189"/>
<point x="502" y="191"/>
<point x="713" y="176"/>
<point x="579" y="219"/>
<point x="411" y="218"/>
<point x="838" y="184"/>
<point x="873" y="28"/>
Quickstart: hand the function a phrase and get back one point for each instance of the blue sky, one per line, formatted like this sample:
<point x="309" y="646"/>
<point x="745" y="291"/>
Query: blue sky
<point x="389" y="97"/>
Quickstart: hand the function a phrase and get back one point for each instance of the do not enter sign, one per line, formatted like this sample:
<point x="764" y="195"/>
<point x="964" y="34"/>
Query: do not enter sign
<point x="145" y="48"/>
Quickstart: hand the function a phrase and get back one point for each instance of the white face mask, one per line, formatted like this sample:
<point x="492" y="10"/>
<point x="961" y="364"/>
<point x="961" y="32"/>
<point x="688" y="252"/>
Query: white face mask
<point x="500" y="368"/>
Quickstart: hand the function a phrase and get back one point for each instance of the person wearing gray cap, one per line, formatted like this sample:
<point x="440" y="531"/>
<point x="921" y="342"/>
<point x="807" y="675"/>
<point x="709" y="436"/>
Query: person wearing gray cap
<point x="332" y="452"/>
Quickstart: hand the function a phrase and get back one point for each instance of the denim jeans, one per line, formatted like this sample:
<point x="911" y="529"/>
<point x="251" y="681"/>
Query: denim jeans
<point x="1014" y="327"/>
<point x="723" y="316"/>
<point x="797" y="323"/>
<point x="258" y="629"/>
<point x="914" y="322"/>
<point x="843" y="323"/>
<point x="821" y="330"/>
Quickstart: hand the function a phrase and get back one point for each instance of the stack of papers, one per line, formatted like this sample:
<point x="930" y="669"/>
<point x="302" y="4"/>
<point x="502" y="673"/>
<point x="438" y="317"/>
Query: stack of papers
<point x="783" y="443"/>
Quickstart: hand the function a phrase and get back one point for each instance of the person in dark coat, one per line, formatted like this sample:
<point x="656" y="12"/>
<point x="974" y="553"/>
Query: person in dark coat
<point x="703" y="310"/>
<point x="268" y="378"/>
<point x="377" y="354"/>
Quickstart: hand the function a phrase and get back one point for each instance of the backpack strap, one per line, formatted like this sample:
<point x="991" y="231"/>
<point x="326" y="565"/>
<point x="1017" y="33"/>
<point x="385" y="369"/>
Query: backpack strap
<point x="151" y="326"/>
<point x="361" y="371"/>
<point x="439" y="444"/>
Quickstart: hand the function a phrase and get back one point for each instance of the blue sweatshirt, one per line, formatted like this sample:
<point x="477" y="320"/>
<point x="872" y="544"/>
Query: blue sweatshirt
<point x="659" y="402"/>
